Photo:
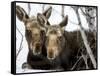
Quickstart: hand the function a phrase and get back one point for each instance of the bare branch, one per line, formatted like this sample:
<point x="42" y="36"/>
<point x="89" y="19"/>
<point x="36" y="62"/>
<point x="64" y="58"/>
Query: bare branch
<point x="62" y="11"/>
<point x="20" y="47"/>
<point x="43" y="7"/>
<point x="63" y="16"/>
<point x="76" y="63"/>
<point x="90" y="19"/>
<point x="92" y="27"/>
<point x="29" y="8"/>
<point x="85" y="60"/>
<point x="89" y="51"/>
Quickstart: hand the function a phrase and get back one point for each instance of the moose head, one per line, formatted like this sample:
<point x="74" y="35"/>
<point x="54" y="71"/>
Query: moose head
<point x="55" y="39"/>
<point x="34" y="31"/>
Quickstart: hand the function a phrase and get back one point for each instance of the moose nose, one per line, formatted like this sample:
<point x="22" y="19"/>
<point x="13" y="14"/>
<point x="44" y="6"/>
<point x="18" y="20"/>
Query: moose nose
<point x="38" y="45"/>
<point x="38" y="48"/>
<point x="50" y="56"/>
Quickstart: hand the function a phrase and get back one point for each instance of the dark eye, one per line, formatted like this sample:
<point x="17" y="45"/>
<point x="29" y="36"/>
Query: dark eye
<point x="28" y="31"/>
<point x="60" y="37"/>
<point x="42" y="31"/>
<point x="36" y="34"/>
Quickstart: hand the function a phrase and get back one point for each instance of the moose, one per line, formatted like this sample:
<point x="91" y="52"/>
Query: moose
<point x="50" y="46"/>
<point x="63" y="47"/>
<point x="34" y="33"/>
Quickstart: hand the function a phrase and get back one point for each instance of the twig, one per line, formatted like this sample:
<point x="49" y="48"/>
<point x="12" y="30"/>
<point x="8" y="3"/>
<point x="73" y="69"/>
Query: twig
<point x="89" y="51"/>
<point x="63" y="16"/>
<point x="89" y="18"/>
<point x="43" y="6"/>
<point x="20" y="47"/>
<point x="29" y="8"/>
<point x="76" y="63"/>
<point x="62" y="11"/>
<point x="85" y="14"/>
<point x="85" y="60"/>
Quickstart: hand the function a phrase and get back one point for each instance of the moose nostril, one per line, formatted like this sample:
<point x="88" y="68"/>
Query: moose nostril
<point x="38" y="46"/>
<point x="50" y="55"/>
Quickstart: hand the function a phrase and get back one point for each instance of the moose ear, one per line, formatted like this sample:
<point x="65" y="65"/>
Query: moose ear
<point x="47" y="12"/>
<point x="21" y="14"/>
<point x="41" y="19"/>
<point x="64" y="22"/>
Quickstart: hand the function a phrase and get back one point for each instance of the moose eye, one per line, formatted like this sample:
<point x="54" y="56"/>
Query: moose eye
<point x="60" y="37"/>
<point x="42" y="32"/>
<point x="36" y="34"/>
<point x="29" y="31"/>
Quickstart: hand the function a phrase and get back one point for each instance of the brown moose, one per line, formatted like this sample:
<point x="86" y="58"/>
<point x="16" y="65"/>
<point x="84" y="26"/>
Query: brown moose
<point x="34" y="33"/>
<point x="63" y="48"/>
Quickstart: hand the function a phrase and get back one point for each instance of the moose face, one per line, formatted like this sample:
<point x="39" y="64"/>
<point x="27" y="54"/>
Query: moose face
<point x="34" y="36"/>
<point x="55" y="40"/>
<point x="34" y="31"/>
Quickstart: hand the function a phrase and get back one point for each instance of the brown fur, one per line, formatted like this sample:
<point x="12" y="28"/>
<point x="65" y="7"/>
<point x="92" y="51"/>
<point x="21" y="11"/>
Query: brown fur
<point x="33" y="29"/>
<point x="53" y="41"/>
<point x="63" y="47"/>
<point x="34" y="33"/>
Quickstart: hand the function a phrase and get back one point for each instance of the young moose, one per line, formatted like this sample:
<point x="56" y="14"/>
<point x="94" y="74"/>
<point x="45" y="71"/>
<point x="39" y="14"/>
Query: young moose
<point x="62" y="46"/>
<point x="34" y="33"/>
<point x="55" y="44"/>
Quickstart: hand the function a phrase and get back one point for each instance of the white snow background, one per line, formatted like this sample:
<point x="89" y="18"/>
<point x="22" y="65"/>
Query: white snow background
<point x="55" y="18"/>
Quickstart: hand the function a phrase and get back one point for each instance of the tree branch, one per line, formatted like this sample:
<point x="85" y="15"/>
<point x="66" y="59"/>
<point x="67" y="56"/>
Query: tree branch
<point x="62" y="11"/>
<point x="43" y="7"/>
<point x="63" y="16"/>
<point x="29" y="8"/>
<point x="85" y="60"/>
<point x="89" y="51"/>
<point x="76" y="63"/>
<point x="20" y="47"/>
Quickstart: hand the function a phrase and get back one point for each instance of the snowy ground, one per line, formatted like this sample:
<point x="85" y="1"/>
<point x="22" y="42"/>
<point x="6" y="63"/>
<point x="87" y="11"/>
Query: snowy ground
<point x="55" y="18"/>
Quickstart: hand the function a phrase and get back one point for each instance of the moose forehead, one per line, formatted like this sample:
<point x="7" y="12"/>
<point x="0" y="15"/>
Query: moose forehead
<point x="54" y="30"/>
<point x="33" y="24"/>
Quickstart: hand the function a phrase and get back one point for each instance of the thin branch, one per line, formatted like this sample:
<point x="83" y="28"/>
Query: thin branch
<point x="63" y="16"/>
<point x="29" y="8"/>
<point x="85" y="60"/>
<point x="76" y="63"/>
<point x="43" y="6"/>
<point x="62" y="11"/>
<point x="85" y="14"/>
<point x="89" y="19"/>
<point x="89" y="51"/>
<point x="20" y="47"/>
